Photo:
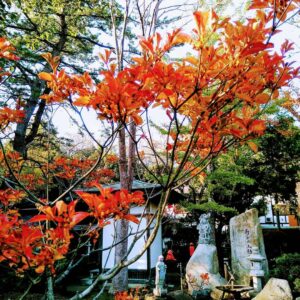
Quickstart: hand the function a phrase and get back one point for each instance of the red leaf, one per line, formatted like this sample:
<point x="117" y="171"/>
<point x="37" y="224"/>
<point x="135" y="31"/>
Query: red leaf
<point x="137" y="119"/>
<point x="201" y="19"/>
<point x="78" y="217"/>
<point x="253" y="146"/>
<point x="38" y="218"/>
<point x="40" y="269"/>
<point x="262" y="98"/>
<point x="132" y="218"/>
<point x="105" y="57"/>
<point x="45" y="76"/>
<point x="237" y="133"/>
<point x="169" y="147"/>
<point x="147" y="45"/>
<point x="257" y="126"/>
<point x="169" y="114"/>
<point x="256" y="47"/>
<point x="259" y="4"/>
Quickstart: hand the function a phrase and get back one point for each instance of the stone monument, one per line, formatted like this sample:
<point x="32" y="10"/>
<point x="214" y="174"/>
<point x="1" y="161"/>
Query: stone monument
<point x="246" y="233"/>
<point x="160" y="275"/>
<point x="204" y="261"/>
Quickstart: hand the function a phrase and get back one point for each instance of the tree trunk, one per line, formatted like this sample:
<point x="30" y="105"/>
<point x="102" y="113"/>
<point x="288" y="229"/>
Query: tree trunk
<point x="24" y="136"/>
<point x="126" y="163"/>
<point x="131" y="154"/>
<point x="126" y="169"/>
<point x="50" y="291"/>
<point x="120" y="281"/>
<point x="19" y="143"/>
<point x="277" y="212"/>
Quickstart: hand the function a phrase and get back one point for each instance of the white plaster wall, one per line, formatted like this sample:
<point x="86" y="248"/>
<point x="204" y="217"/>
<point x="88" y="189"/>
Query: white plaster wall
<point x="107" y="240"/>
<point x="156" y="248"/>
<point x="269" y="212"/>
<point x="141" y="263"/>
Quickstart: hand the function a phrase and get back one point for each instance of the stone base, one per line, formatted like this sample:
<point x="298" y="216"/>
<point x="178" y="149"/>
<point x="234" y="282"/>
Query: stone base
<point x="204" y="260"/>
<point x="158" y="293"/>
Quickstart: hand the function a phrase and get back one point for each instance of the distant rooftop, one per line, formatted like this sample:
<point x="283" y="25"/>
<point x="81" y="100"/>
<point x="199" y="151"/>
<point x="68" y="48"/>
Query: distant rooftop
<point x="152" y="190"/>
<point x="136" y="185"/>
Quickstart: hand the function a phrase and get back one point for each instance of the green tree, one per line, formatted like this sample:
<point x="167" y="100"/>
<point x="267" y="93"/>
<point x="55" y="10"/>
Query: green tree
<point x="241" y="174"/>
<point x="275" y="167"/>
<point x="35" y="27"/>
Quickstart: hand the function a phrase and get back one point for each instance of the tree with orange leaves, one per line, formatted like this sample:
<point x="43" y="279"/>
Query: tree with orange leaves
<point x="211" y="99"/>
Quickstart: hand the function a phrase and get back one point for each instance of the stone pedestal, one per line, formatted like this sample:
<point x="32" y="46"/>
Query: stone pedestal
<point x="256" y="272"/>
<point x="246" y="233"/>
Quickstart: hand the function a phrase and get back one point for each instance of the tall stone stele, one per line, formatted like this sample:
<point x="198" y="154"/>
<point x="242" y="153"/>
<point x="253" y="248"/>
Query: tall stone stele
<point x="204" y="260"/>
<point x="246" y="233"/>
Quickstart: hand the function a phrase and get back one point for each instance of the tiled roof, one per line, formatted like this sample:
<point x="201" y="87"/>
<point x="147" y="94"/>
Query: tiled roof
<point x="136" y="185"/>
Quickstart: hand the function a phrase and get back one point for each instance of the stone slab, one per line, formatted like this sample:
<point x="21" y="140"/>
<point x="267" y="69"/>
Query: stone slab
<point x="245" y="233"/>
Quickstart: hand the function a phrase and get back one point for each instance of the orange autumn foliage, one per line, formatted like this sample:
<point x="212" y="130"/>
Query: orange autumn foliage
<point x="219" y="90"/>
<point x="111" y="159"/>
<point x="61" y="213"/>
<point x="108" y="204"/>
<point x="216" y="88"/>
<point x="8" y="115"/>
<point x="7" y="50"/>
<point x="282" y="7"/>
<point x="70" y="168"/>
<point x="26" y="247"/>
<point x="11" y="196"/>
<point x="123" y="296"/>
<point x="33" y="245"/>
<point x="132" y="294"/>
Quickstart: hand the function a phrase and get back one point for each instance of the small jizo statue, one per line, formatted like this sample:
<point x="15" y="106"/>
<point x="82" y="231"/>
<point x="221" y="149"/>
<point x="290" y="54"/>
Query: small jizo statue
<point x="160" y="275"/>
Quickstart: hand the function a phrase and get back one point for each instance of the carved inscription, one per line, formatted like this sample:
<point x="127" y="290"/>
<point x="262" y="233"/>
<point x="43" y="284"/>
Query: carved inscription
<point x="206" y="229"/>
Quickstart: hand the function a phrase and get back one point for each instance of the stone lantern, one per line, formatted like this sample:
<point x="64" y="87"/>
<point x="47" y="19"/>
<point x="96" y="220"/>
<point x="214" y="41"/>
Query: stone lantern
<point x="256" y="271"/>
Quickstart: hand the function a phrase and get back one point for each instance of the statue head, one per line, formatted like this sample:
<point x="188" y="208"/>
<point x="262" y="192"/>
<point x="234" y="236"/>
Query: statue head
<point x="160" y="258"/>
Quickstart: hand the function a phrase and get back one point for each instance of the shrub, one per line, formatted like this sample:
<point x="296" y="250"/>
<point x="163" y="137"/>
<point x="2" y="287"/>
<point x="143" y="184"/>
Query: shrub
<point x="287" y="266"/>
<point x="297" y="285"/>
